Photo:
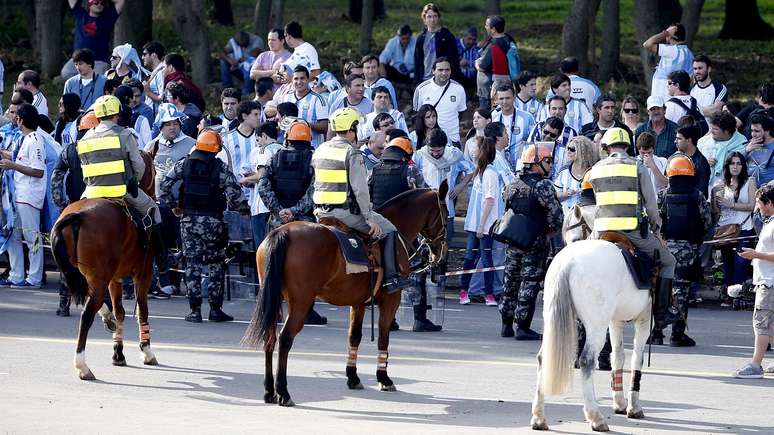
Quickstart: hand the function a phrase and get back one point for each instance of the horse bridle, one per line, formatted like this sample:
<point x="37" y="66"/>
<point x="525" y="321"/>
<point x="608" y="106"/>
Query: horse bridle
<point x="436" y="259"/>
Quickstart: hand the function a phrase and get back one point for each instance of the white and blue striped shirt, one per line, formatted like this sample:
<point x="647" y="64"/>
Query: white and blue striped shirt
<point x="487" y="185"/>
<point x="239" y="147"/>
<point x="672" y="58"/>
<point x="311" y="108"/>
<point x="387" y="84"/>
<point x="70" y="134"/>
<point x="582" y="89"/>
<point x="518" y="126"/>
<point x="577" y="114"/>
<point x="533" y="106"/>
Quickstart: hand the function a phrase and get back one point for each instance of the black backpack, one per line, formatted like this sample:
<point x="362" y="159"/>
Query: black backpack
<point x="693" y="112"/>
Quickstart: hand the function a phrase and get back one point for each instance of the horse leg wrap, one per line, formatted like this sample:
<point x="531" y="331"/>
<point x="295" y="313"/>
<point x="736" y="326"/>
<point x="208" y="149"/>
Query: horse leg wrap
<point x="636" y="380"/>
<point x="145" y="332"/>
<point x="617" y="383"/>
<point x="119" y="334"/>
<point x="381" y="360"/>
<point x="352" y="357"/>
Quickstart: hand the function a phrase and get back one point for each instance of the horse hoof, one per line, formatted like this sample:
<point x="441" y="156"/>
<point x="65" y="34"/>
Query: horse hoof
<point x="635" y="414"/>
<point x="619" y="411"/>
<point x="86" y="376"/>
<point x="539" y="424"/>
<point x="151" y="362"/>
<point x="270" y="398"/>
<point x="120" y="363"/>
<point x="600" y="427"/>
<point x="286" y="402"/>
<point x="385" y="387"/>
<point x="357" y="386"/>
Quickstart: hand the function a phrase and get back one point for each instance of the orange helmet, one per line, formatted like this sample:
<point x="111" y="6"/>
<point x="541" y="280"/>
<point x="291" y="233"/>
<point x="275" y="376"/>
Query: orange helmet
<point x="209" y="141"/>
<point x="586" y="183"/>
<point x="402" y="143"/>
<point x="680" y="164"/>
<point x="88" y="121"/>
<point x="535" y="154"/>
<point x="299" y="130"/>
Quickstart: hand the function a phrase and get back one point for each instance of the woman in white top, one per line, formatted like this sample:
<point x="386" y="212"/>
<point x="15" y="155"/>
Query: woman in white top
<point x="582" y="154"/>
<point x="734" y="199"/>
<point x="483" y="210"/>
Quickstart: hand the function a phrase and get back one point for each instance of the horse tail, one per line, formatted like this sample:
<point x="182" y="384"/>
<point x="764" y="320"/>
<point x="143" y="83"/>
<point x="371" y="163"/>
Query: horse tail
<point x="268" y="309"/>
<point x="559" y="332"/>
<point x="73" y="278"/>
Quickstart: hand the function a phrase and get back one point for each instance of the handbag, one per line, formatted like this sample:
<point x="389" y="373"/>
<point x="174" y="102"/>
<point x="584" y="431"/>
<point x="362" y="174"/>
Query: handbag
<point x="515" y="230"/>
<point x="726" y="235"/>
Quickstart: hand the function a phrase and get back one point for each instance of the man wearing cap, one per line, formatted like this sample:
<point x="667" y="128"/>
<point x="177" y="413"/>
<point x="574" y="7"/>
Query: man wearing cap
<point x="661" y="128"/>
<point x="532" y="195"/>
<point x="206" y="186"/>
<point x="349" y="201"/>
<point x="624" y="191"/>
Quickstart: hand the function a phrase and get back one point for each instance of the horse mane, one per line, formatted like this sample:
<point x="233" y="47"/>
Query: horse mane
<point x="407" y="195"/>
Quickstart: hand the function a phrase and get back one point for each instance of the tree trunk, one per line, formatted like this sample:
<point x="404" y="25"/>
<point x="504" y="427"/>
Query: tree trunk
<point x="366" y="26"/>
<point x="611" y="40"/>
<point x="261" y="16"/>
<point x="691" y="16"/>
<point x="493" y="7"/>
<point x="136" y="27"/>
<point x="278" y="12"/>
<point x="222" y="12"/>
<point x="743" y="21"/>
<point x="191" y="25"/>
<point x="645" y="26"/>
<point x="669" y="11"/>
<point x="575" y="33"/>
<point x="355" y="10"/>
<point x="48" y="29"/>
<point x="593" y="9"/>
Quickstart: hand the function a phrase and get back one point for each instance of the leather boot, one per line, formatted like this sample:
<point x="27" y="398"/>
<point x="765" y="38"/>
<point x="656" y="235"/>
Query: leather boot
<point x="393" y="280"/>
<point x="678" y="338"/>
<point x="656" y="337"/>
<point x="217" y="315"/>
<point x="64" y="302"/>
<point x="507" y="329"/>
<point x="160" y="254"/>
<point x="314" y="318"/>
<point x="524" y="333"/>
<point x="604" y="355"/>
<point x="394" y="325"/>
<point x="663" y="312"/>
<point x="421" y="323"/>
<point x="195" y="316"/>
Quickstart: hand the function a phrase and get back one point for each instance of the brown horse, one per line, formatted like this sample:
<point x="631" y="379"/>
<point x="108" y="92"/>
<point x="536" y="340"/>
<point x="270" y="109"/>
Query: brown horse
<point x="300" y="261"/>
<point x="96" y="244"/>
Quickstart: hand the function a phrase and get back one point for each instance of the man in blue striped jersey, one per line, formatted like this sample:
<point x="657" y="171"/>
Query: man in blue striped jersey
<point x="311" y="106"/>
<point x="526" y="85"/>
<point x="673" y="53"/>
<point x="577" y="114"/>
<point x="518" y="124"/>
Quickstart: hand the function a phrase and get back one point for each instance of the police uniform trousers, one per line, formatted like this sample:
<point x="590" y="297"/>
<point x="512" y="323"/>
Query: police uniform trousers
<point x="685" y="254"/>
<point x="204" y="246"/>
<point x="356" y="221"/>
<point x="524" y="274"/>
<point x="650" y="244"/>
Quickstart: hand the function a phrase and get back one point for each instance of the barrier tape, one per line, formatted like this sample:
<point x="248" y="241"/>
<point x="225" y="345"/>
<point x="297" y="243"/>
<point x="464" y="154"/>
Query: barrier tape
<point x="465" y="272"/>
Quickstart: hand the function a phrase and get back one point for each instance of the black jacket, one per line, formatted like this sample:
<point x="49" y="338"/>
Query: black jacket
<point x="445" y="46"/>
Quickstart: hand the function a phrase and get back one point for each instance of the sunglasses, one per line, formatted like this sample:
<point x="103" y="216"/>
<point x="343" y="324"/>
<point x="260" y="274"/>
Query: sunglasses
<point x="671" y="83"/>
<point x="631" y="110"/>
<point x="571" y="149"/>
<point x="550" y="133"/>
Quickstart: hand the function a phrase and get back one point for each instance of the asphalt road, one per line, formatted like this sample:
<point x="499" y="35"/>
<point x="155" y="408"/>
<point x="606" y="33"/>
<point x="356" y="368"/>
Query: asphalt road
<point x="465" y="379"/>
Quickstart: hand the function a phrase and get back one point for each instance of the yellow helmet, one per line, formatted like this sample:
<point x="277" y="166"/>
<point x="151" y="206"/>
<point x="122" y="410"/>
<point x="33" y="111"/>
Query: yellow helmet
<point x="344" y="119"/>
<point x="615" y="135"/>
<point x="106" y="106"/>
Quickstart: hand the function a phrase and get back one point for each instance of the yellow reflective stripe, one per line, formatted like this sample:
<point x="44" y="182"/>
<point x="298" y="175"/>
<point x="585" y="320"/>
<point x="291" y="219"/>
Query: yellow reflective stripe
<point x="615" y="170"/>
<point x="616" y="198"/>
<point x="104" y="191"/>
<point x="320" y="197"/>
<point x="330" y="175"/>
<point x="104" y="168"/>
<point x="99" y="144"/>
<point x="615" y="224"/>
<point x="332" y="153"/>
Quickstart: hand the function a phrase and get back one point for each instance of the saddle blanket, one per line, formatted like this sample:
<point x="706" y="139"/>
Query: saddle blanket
<point x="354" y="250"/>
<point x="640" y="267"/>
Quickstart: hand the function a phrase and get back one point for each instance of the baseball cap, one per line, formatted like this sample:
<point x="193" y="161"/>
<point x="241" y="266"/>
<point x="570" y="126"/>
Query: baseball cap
<point x="655" y="101"/>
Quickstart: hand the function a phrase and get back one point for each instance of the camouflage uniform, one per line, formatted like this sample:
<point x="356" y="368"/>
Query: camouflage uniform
<point x="204" y="238"/>
<point x="524" y="271"/>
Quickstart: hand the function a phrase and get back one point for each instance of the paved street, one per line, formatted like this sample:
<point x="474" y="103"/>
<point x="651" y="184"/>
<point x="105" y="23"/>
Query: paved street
<point x="465" y="379"/>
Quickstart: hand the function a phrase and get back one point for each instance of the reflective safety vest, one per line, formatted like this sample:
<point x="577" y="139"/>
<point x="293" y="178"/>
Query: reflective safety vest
<point x="616" y="188"/>
<point x="104" y="167"/>
<point x="330" y="173"/>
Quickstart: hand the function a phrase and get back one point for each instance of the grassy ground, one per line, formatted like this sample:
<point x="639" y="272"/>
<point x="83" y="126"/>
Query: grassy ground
<point x="536" y="25"/>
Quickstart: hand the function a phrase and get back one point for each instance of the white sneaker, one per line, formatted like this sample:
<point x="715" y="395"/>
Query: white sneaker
<point x="168" y="289"/>
<point x="769" y="369"/>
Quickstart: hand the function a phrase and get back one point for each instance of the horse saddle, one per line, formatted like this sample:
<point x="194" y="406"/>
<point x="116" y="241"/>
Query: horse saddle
<point x="641" y="266"/>
<point x="141" y="222"/>
<point x="354" y="245"/>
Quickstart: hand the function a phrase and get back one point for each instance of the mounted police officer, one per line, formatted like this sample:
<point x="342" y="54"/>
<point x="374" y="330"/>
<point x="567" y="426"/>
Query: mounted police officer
<point x="531" y="195"/>
<point x="686" y="218"/>
<point x="626" y="203"/>
<point x="112" y="167"/>
<point x="341" y="192"/>
<point x="287" y="185"/>
<point x="393" y="175"/>
<point x="207" y="185"/>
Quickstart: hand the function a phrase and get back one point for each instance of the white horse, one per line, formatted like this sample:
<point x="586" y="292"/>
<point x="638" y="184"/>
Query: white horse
<point x="589" y="279"/>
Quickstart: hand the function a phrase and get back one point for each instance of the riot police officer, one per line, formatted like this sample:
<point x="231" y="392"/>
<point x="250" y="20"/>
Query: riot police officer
<point x="207" y="186"/>
<point x="686" y="218"/>
<point x="532" y="195"/>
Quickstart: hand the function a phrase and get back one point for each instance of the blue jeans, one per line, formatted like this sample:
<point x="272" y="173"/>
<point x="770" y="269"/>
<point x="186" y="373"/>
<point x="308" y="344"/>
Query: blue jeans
<point x="736" y="270"/>
<point x="478" y="247"/>
<point x="258" y="222"/>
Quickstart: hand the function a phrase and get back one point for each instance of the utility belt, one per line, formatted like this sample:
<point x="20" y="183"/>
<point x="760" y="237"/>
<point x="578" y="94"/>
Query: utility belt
<point x="350" y="205"/>
<point x="192" y="212"/>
